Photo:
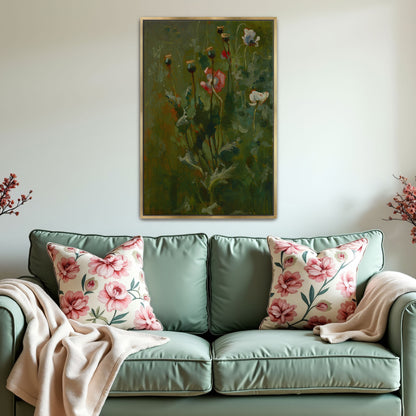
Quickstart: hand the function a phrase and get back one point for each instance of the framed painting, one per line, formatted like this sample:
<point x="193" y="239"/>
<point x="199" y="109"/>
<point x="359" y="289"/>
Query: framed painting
<point x="208" y="117"/>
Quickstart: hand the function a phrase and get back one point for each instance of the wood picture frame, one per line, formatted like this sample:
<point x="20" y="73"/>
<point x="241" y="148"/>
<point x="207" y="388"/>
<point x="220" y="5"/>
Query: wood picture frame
<point x="208" y="117"/>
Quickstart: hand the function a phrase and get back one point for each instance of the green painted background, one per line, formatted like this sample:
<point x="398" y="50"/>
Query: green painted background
<point x="207" y="154"/>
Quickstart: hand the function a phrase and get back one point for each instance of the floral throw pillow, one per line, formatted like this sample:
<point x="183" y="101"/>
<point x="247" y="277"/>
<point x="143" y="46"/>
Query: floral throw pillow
<point x="109" y="291"/>
<point x="310" y="289"/>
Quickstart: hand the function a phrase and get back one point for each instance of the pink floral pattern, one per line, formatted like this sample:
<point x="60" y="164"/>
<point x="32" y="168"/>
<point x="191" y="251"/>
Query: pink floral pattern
<point x="281" y="312"/>
<point x="323" y="306"/>
<point x="74" y="305"/>
<point x="115" y="296"/>
<point x="287" y="246"/>
<point x="347" y="309"/>
<point x="288" y="283"/>
<point x="67" y="269"/>
<point x="133" y="243"/>
<point x="310" y="288"/>
<point x="110" y="266"/>
<point x="346" y="285"/>
<point x="357" y="245"/>
<point x="110" y="290"/>
<point x="320" y="269"/>
<point x="145" y="318"/>
<point x="316" y="320"/>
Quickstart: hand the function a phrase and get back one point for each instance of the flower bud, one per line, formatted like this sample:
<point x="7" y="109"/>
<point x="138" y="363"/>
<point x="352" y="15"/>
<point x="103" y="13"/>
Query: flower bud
<point x="190" y="66"/>
<point x="211" y="52"/>
<point x="168" y="59"/>
<point x="225" y="37"/>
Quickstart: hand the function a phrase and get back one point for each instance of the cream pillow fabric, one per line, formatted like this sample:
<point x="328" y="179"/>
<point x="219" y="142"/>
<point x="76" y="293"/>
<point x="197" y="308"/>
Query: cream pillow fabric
<point x="109" y="291"/>
<point x="310" y="289"/>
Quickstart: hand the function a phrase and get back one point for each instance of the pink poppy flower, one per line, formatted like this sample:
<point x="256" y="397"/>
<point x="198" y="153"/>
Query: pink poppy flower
<point x="218" y="82"/>
<point x="289" y="247"/>
<point x="67" y="268"/>
<point x="288" y="283"/>
<point x="115" y="296"/>
<point x="316" y="320"/>
<point x="112" y="265"/>
<point x="347" y="309"/>
<point x="280" y="311"/>
<point x="357" y="245"/>
<point x="146" y="319"/>
<point x="225" y="54"/>
<point x="346" y="285"/>
<point x="320" y="269"/>
<point x="74" y="304"/>
<point x="136" y="242"/>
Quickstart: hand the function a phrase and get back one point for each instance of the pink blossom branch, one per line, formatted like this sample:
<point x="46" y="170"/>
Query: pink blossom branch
<point x="8" y="205"/>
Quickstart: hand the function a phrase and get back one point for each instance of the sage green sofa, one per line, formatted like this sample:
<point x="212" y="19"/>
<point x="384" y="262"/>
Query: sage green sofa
<point x="211" y="293"/>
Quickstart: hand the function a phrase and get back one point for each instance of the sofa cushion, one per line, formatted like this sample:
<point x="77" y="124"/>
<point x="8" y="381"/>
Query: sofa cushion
<point x="174" y="265"/>
<point x="310" y="288"/>
<point x="297" y="362"/>
<point x="181" y="367"/>
<point x="241" y="273"/>
<point x="110" y="290"/>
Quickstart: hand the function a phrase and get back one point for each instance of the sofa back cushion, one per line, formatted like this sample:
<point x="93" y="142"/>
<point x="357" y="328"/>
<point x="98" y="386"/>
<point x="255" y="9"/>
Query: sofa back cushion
<point x="241" y="274"/>
<point x="175" y="268"/>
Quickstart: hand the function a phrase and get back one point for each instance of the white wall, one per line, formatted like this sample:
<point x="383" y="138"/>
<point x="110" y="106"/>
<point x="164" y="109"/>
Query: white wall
<point x="69" y="128"/>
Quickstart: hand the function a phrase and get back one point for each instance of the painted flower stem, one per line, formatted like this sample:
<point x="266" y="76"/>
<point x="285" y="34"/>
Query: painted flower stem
<point x="194" y="89"/>
<point x="170" y="74"/>
<point x="254" y="118"/>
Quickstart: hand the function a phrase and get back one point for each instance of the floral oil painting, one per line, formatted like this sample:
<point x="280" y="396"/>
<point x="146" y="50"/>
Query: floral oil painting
<point x="208" y="117"/>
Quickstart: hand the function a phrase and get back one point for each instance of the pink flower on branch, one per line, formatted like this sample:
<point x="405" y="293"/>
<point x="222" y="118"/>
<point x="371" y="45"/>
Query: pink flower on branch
<point x="7" y="204"/>
<point x="404" y="205"/>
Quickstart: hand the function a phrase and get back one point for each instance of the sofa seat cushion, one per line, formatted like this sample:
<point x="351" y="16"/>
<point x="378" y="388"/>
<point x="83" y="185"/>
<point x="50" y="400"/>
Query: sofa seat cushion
<point x="298" y="362"/>
<point x="181" y="367"/>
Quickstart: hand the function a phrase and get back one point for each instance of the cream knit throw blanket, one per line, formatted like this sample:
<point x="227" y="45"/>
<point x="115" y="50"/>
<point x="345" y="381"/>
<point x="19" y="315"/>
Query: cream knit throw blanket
<point x="369" y="321"/>
<point x="66" y="368"/>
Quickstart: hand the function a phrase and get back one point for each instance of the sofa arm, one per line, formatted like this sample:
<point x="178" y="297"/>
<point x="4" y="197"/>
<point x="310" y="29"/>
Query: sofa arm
<point x="401" y="339"/>
<point x="12" y="329"/>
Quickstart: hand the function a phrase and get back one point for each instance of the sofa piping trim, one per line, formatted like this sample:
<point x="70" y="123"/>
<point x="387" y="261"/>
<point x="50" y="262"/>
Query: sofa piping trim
<point x="313" y="389"/>
<point x="402" y="395"/>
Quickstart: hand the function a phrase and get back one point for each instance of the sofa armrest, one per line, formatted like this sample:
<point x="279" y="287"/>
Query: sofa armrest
<point x="401" y="339"/>
<point x="12" y="329"/>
